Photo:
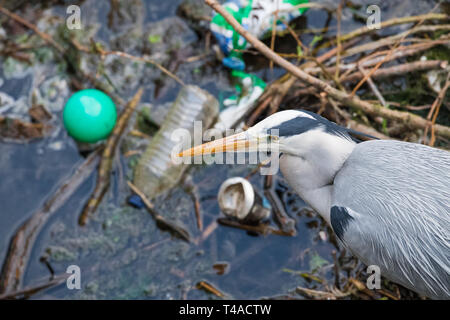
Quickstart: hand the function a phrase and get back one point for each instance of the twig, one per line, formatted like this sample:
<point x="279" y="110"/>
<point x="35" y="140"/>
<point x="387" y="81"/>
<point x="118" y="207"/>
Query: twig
<point x="262" y="106"/>
<point x="23" y="240"/>
<point x="30" y="291"/>
<point x="46" y="37"/>
<point x="203" y="285"/>
<point x="352" y="101"/>
<point x="378" y="65"/>
<point x="274" y="34"/>
<point x="208" y="231"/>
<point x="399" y="105"/>
<point x="297" y="39"/>
<point x="98" y="49"/>
<point x="197" y="209"/>
<point x="63" y="53"/>
<point x="399" y="37"/>
<point x="393" y="22"/>
<point x="262" y="229"/>
<point x="400" y="69"/>
<point x="435" y="107"/>
<point x="285" y="222"/>
<point x="104" y="171"/>
<point x="19" y="131"/>
<point x="311" y="5"/>
<point x="384" y="72"/>
<point x="336" y="270"/>
<point x="376" y="57"/>
<point x="373" y="87"/>
<point x="141" y="59"/>
<point x="275" y="92"/>
<point x="356" y="125"/>
<point x="160" y="220"/>
<point x="338" y="38"/>
<point x="322" y="294"/>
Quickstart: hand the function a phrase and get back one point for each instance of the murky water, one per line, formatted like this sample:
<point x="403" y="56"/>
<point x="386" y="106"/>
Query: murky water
<point x="121" y="253"/>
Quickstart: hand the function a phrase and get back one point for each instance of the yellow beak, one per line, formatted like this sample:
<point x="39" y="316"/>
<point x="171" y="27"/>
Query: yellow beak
<point x="234" y="143"/>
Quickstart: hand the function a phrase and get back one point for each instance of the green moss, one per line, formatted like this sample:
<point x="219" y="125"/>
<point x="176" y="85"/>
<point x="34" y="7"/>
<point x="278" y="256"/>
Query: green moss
<point x="145" y="123"/>
<point x="60" y="254"/>
<point x="440" y="52"/>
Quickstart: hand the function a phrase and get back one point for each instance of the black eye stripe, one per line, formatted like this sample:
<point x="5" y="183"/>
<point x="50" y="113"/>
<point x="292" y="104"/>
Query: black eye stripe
<point x="301" y="124"/>
<point x="295" y="126"/>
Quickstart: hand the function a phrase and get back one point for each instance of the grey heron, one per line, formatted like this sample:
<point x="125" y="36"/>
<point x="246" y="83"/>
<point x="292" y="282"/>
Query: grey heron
<point x="387" y="201"/>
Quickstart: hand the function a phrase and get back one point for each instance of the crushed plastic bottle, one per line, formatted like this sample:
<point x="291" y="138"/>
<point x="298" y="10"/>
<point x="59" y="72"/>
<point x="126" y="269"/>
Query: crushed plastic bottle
<point x="155" y="172"/>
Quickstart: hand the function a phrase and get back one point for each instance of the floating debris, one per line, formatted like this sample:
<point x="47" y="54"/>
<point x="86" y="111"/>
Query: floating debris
<point x="238" y="200"/>
<point x="23" y="240"/>
<point x="203" y="285"/>
<point x="105" y="167"/>
<point x="19" y="131"/>
<point x="39" y="113"/>
<point x="221" y="268"/>
<point x="156" y="173"/>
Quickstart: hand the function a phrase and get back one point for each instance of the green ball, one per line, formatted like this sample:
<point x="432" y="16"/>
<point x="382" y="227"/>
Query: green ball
<point x="89" y="115"/>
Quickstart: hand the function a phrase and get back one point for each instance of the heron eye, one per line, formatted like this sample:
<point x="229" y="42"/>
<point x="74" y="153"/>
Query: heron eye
<point x="272" y="138"/>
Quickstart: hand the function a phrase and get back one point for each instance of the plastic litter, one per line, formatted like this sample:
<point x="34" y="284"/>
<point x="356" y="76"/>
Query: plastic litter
<point x="238" y="200"/>
<point x="155" y="171"/>
<point x="257" y="17"/>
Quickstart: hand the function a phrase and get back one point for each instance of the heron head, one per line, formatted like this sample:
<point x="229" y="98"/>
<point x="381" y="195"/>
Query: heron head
<point x="292" y="132"/>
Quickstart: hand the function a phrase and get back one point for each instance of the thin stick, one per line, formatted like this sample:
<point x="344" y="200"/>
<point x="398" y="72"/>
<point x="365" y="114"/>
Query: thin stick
<point x="311" y="5"/>
<point x="146" y="60"/>
<point x="352" y="101"/>
<point x="284" y="221"/>
<point x="373" y="87"/>
<point x="274" y="34"/>
<point x="104" y="171"/>
<point x="398" y="37"/>
<point x="23" y="240"/>
<point x="259" y="229"/>
<point x="203" y="285"/>
<point x="338" y="38"/>
<point x="399" y="69"/>
<point x="393" y="22"/>
<point x="275" y="92"/>
<point x="103" y="53"/>
<point x="208" y="231"/>
<point x="356" y="125"/>
<point x="369" y="74"/>
<point x="47" y="38"/>
<point x="297" y="39"/>
<point x="176" y="230"/>
<point x="436" y="106"/>
<point x="30" y="291"/>
<point x="198" y="213"/>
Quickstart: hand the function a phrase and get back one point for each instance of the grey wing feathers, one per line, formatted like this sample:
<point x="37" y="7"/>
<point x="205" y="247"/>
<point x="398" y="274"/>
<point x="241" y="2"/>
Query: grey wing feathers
<point x="398" y="195"/>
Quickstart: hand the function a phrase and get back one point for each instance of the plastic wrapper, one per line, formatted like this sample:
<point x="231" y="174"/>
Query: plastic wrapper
<point x="256" y="16"/>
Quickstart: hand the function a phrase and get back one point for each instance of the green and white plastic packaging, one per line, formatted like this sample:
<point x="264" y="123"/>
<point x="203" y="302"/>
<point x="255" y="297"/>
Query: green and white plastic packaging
<point x="256" y="16"/>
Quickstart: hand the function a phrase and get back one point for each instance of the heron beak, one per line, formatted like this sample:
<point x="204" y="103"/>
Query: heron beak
<point x="235" y="143"/>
